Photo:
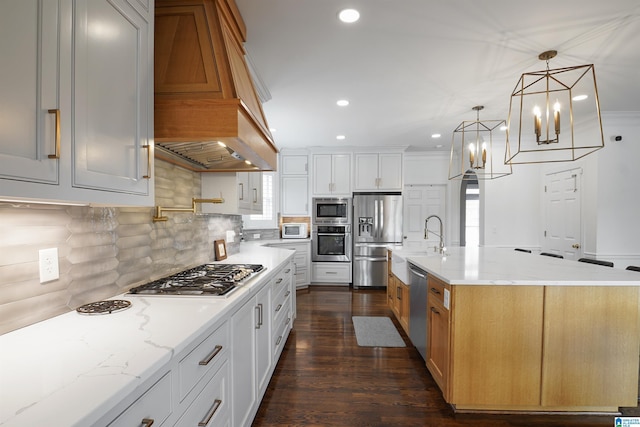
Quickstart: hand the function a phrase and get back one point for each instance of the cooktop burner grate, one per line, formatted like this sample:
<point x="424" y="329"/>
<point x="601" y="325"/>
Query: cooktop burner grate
<point x="104" y="307"/>
<point x="206" y="279"/>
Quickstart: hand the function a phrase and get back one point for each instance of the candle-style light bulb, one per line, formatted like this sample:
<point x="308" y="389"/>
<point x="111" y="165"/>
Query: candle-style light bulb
<point x="537" y="120"/>
<point x="471" y="150"/>
<point x="484" y="153"/>
<point x="556" y="117"/>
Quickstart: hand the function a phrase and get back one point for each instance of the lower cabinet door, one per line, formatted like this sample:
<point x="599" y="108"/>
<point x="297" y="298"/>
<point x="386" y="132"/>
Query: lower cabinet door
<point x="154" y="406"/>
<point x="211" y="407"/>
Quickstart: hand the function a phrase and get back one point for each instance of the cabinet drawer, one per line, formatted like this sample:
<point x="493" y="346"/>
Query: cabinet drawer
<point x="211" y="406"/>
<point x="436" y="289"/>
<point x="208" y="354"/>
<point x="331" y="272"/>
<point x="154" y="404"/>
<point x="280" y="334"/>
<point x="281" y="304"/>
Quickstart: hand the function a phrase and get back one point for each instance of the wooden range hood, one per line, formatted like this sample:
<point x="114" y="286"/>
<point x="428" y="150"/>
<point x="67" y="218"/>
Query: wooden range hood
<point x="204" y="92"/>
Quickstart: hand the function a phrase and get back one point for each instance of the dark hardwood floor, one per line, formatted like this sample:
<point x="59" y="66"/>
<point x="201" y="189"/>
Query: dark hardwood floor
<point x="324" y="378"/>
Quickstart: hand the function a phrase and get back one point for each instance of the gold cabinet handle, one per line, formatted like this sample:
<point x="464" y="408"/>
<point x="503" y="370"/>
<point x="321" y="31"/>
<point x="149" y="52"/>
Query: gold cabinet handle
<point x="278" y="340"/>
<point x="433" y="309"/>
<point x="255" y="195"/>
<point x="241" y="191"/>
<point x="217" y="349"/>
<point x="148" y="175"/>
<point x="278" y="307"/>
<point x="212" y="411"/>
<point x="56" y="155"/>
<point x="576" y="246"/>
<point x="435" y="291"/>
<point x="147" y="422"/>
<point x="278" y="281"/>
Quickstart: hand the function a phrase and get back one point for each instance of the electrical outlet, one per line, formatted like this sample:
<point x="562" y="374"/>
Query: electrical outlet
<point x="48" y="265"/>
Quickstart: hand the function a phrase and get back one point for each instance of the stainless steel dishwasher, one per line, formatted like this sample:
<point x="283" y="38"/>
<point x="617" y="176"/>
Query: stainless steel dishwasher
<point x="418" y="309"/>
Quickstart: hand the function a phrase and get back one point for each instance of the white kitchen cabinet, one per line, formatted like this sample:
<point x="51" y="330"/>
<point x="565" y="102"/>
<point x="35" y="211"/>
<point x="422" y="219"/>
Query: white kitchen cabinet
<point x="331" y="174"/>
<point x="79" y="91"/>
<point x="153" y="406"/>
<point x="301" y="260"/>
<point x="294" y="184"/>
<point x="295" y="195"/>
<point x="210" y="407"/>
<point x="241" y="191"/>
<point x="294" y="164"/>
<point x="338" y="273"/>
<point x="251" y="355"/>
<point x="378" y="171"/>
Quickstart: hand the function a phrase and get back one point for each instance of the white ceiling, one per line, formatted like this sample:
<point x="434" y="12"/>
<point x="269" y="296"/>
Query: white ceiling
<point x="411" y="68"/>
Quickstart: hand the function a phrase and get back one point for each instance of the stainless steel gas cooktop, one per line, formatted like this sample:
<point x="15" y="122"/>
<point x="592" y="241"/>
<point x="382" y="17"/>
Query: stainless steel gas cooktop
<point x="206" y="280"/>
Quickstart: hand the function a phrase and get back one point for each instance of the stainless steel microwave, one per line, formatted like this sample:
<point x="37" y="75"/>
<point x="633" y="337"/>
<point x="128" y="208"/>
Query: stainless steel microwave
<point x="332" y="210"/>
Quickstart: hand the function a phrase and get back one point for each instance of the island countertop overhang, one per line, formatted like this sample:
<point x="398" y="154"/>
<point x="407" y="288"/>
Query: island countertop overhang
<point x="502" y="266"/>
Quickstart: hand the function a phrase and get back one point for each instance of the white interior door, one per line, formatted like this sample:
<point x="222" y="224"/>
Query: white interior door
<point x="420" y="202"/>
<point x="563" y="228"/>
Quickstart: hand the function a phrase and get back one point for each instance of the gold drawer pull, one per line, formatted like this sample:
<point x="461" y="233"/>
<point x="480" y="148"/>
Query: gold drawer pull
<point x="435" y="311"/>
<point x="279" y="281"/>
<point x="278" y="340"/>
<point x="212" y="411"/>
<point x="147" y="422"/>
<point x="278" y="307"/>
<point x="435" y="291"/>
<point x="287" y="271"/>
<point x="287" y="294"/>
<point x="56" y="155"/>
<point x="213" y="354"/>
<point x="148" y="175"/>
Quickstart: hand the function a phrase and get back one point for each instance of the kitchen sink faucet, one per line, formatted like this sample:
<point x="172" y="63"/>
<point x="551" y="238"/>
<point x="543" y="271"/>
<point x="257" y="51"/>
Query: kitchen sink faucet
<point x="441" y="247"/>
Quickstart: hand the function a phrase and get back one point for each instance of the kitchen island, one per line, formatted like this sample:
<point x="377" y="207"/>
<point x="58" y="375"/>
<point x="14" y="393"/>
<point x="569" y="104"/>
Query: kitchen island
<point x="170" y="360"/>
<point x="511" y="331"/>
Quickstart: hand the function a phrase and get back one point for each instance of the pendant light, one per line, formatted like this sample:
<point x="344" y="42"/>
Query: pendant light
<point x="476" y="149"/>
<point x="554" y="115"/>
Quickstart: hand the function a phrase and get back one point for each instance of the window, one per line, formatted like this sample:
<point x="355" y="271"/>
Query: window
<point x="268" y="218"/>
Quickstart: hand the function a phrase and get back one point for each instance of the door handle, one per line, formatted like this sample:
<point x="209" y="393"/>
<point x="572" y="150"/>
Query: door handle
<point x="576" y="246"/>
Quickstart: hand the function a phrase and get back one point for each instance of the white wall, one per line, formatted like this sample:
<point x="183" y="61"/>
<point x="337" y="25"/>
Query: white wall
<point x="510" y="213"/>
<point x="618" y="230"/>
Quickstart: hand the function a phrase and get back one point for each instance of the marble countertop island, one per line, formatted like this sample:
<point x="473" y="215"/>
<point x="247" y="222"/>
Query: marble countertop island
<point x="501" y="266"/>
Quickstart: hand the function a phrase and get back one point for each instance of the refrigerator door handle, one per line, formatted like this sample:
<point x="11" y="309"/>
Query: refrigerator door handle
<point x="375" y="218"/>
<point x="381" y="219"/>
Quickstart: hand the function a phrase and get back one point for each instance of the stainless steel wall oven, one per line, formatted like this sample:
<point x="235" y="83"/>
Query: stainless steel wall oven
<point x="331" y="243"/>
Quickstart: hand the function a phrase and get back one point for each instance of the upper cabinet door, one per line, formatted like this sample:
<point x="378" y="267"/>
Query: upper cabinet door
<point x="29" y="87"/>
<point x="378" y="171"/>
<point x="112" y="102"/>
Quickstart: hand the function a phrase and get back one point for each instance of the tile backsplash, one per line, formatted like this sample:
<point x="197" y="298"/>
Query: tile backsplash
<point x="102" y="251"/>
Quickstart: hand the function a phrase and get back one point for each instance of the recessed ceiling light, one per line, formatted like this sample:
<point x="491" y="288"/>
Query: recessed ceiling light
<point x="349" y="15"/>
<point x="342" y="102"/>
<point x="435" y="135"/>
<point x="579" y="97"/>
<point x="340" y="137"/>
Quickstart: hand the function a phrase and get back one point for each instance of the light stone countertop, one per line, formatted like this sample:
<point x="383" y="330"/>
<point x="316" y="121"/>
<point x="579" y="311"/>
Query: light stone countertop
<point x="72" y="369"/>
<point x="501" y="266"/>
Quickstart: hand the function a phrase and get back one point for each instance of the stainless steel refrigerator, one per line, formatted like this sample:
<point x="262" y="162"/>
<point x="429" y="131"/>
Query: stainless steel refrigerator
<point x="377" y="224"/>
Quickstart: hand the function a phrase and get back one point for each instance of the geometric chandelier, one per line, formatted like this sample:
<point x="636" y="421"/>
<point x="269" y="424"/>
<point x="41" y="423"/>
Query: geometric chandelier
<point x="554" y="115"/>
<point x="477" y="149"/>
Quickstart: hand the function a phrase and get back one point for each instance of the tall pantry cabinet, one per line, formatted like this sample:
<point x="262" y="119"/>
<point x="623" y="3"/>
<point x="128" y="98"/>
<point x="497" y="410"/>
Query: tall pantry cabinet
<point x="76" y="112"/>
